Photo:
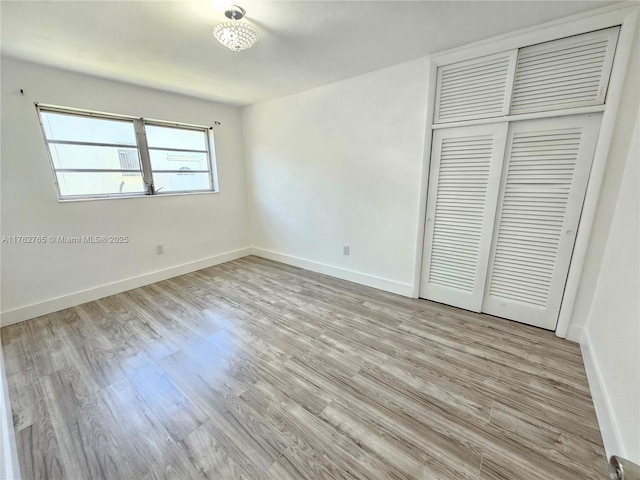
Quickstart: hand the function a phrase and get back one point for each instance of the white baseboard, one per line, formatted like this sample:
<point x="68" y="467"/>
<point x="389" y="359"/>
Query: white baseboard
<point x="404" y="289"/>
<point x="55" y="304"/>
<point x="606" y="420"/>
<point x="574" y="333"/>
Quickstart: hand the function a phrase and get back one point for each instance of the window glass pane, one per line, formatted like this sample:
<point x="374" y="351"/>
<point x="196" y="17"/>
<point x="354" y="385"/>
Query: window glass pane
<point x="170" y="160"/>
<point x="60" y="126"/>
<point x="181" y="182"/>
<point x="169" y="137"/>
<point x="75" y="183"/>
<point x="88" y="156"/>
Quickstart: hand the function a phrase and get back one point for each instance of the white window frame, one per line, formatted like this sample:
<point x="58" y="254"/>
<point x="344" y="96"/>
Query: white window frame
<point x="624" y="15"/>
<point x="142" y="147"/>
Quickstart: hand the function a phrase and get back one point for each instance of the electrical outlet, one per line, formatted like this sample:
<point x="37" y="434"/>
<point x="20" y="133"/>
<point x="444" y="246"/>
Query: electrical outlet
<point x="159" y="249"/>
<point x="345" y="249"/>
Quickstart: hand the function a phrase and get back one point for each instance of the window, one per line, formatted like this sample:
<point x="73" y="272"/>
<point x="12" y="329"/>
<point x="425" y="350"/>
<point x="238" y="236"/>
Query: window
<point x="96" y="155"/>
<point x="172" y="150"/>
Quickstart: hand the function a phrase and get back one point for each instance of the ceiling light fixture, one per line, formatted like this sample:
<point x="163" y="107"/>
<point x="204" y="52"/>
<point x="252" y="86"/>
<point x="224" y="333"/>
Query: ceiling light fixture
<point x="236" y="35"/>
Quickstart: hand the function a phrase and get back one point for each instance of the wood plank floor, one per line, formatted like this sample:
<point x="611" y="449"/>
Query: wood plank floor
<point x="253" y="369"/>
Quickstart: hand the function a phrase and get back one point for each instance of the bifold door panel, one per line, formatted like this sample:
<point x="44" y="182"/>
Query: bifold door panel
<point x="545" y="177"/>
<point x="478" y="88"/>
<point x="566" y="73"/>
<point x="463" y="190"/>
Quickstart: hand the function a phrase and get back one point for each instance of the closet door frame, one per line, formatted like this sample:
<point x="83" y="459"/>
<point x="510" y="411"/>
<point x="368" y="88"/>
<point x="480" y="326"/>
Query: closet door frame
<point x="624" y="15"/>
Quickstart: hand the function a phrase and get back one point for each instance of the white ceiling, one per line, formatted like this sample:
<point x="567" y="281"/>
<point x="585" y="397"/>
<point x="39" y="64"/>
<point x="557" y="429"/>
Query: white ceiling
<point x="303" y="44"/>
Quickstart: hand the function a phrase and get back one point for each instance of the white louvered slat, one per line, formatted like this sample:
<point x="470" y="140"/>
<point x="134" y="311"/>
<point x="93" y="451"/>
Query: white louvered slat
<point x="543" y="185"/>
<point x="565" y="73"/>
<point x="463" y="186"/>
<point x="474" y="89"/>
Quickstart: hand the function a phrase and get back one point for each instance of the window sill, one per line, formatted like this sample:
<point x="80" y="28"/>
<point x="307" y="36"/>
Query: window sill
<point x="129" y="197"/>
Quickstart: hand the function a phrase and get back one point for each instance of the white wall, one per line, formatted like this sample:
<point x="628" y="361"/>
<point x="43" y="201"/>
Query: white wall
<point x="612" y="334"/>
<point x="616" y="162"/>
<point x="32" y="274"/>
<point x="607" y="308"/>
<point x="340" y="165"/>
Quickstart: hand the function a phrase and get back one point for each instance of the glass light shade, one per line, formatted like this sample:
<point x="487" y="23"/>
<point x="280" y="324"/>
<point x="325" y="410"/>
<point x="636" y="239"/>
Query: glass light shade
<point x="236" y="35"/>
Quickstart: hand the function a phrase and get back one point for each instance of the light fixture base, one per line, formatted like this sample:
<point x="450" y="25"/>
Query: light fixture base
<point x="234" y="12"/>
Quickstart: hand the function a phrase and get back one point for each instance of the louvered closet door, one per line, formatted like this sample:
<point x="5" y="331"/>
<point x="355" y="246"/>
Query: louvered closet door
<point x="566" y="73"/>
<point x="478" y="88"/>
<point x="543" y="186"/>
<point x="463" y="192"/>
